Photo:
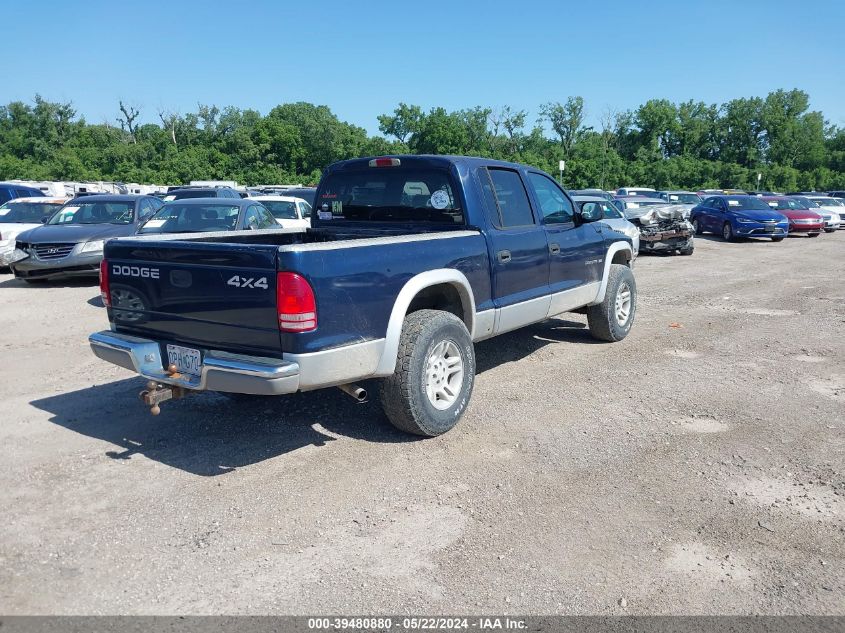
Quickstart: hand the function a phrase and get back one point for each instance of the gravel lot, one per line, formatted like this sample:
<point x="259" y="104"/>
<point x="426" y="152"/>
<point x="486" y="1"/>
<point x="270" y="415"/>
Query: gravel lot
<point x="696" y="467"/>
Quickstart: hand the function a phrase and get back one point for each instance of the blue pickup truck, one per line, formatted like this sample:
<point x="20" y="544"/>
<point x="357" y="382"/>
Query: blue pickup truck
<point x="409" y="261"/>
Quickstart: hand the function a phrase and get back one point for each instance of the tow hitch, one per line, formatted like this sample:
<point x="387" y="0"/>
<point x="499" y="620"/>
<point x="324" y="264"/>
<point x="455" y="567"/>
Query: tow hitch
<point x="156" y="393"/>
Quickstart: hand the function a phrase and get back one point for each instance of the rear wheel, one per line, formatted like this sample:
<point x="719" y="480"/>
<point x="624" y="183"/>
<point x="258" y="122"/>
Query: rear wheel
<point x="727" y="231"/>
<point x="435" y="371"/>
<point x="777" y="239"/>
<point x="611" y="320"/>
<point x="830" y="230"/>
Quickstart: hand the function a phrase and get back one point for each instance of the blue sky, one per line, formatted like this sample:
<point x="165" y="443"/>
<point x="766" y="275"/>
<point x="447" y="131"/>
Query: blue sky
<point x="363" y="58"/>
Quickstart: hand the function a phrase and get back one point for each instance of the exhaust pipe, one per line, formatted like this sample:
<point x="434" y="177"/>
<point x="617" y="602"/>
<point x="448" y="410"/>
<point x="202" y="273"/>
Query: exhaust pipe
<point x="357" y="392"/>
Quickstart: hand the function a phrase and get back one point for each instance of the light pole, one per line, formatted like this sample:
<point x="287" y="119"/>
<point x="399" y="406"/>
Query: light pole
<point x="561" y="166"/>
<point x="759" y="178"/>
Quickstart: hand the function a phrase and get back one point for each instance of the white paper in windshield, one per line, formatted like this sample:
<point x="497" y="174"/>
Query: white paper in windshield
<point x="67" y="210"/>
<point x="673" y="197"/>
<point x="154" y="224"/>
<point x="4" y="212"/>
<point x="773" y="204"/>
<point x="733" y="203"/>
<point x="169" y="198"/>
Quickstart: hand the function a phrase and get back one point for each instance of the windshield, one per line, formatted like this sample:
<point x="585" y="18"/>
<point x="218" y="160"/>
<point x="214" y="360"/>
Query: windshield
<point x="27" y="212"/>
<point x="786" y="204"/>
<point x="645" y="203"/>
<point x="646" y="193"/>
<point x="281" y="210"/>
<point x="174" y="217"/>
<point x="94" y="212"/>
<point x="683" y="198"/>
<point x="389" y="194"/>
<point x="746" y="203"/>
<point x="822" y="202"/>
<point x="611" y="212"/>
<point x="806" y="203"/>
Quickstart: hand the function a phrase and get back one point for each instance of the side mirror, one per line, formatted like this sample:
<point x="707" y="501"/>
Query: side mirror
<point x="44" y="220"/>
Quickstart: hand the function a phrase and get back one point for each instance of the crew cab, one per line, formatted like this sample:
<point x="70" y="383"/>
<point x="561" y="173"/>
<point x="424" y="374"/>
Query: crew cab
<point x="409" y="261"/>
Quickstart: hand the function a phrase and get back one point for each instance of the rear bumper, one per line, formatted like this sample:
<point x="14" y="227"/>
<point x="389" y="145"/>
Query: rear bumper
<point x="221" y="371"/>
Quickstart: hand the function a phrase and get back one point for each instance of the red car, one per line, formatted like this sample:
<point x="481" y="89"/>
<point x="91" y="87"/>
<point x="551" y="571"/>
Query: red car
<point x="801" y="219"/>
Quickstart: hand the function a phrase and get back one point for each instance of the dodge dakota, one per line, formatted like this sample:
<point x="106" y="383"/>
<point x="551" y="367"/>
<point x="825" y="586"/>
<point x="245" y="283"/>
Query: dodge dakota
<point x="409" y="261"/>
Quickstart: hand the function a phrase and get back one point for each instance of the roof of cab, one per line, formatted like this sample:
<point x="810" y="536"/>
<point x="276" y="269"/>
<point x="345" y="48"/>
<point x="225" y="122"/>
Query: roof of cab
<point x="430" y="160"/>
<point x="221" y="202"/>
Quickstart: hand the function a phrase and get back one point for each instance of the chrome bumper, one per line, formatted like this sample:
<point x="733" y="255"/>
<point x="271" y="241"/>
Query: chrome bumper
<point x="221" y="371"/>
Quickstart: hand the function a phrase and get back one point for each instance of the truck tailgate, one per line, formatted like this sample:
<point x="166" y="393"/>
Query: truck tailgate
<point x="206" y="295"/>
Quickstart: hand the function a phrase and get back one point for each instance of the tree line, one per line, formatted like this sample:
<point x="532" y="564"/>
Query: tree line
<point x="661" y="144"/>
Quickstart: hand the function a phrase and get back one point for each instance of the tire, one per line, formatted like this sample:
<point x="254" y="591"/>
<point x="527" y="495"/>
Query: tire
<point x="410" y="397"/>
<point x="812" y="234"/>
<point x="830" y="230"/>
<point x="727" y="232"/>
<point x="688" y="249"/>
<point x="777" y="239"/>
<point x="603" y="319"/>
<point x="696" y="226"/>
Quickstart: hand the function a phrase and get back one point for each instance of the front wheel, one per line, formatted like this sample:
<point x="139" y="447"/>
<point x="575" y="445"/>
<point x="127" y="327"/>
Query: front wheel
<point x="728" y="232"/>
<point x="696" y="226"/>
<point x="611" y="320"/>
<point x="830" y="230"/>
<point x="435" y="372"/>
<point x="812" y="234"/>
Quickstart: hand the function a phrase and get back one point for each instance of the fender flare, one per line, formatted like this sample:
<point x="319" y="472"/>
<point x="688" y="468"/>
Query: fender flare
<point x="439" y="276"/>
<point x="608" y="260"/>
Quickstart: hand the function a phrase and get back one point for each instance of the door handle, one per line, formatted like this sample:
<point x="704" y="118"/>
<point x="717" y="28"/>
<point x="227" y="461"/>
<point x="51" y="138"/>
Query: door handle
<point x="554" y="249"/>
<point x="504" y="256"/>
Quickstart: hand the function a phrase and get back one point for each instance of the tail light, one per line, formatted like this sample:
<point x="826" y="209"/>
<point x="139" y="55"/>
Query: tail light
<point x="295" y="303"/>
<point x="105" y="293"/>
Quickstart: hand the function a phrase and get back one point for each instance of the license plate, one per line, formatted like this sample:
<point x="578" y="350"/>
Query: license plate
<point x="770" y="229"/>
<point x="186" y="359"/>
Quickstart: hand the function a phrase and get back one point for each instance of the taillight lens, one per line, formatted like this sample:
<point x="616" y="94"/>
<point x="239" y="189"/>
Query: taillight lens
<point x="104" y="283"/>
<point x="295" y="302"/>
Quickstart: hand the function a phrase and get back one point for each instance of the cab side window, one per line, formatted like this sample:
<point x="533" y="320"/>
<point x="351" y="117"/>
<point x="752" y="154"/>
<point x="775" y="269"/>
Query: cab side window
<point x="554" y="205"/>
<point x="505" y="195"/>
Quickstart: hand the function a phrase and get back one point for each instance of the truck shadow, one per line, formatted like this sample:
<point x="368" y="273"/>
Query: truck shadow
<point x="209" y="434"/>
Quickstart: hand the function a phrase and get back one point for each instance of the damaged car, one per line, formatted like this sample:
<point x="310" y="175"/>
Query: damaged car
<point x="663" y="227"/>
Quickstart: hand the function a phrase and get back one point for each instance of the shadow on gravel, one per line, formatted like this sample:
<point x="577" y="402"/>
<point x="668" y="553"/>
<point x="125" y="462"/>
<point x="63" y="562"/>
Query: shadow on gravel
<point x="736" y="241"/>
<point x="210" y="434"/>
<point x="518" y="344"/>
<point x="80" y="282"/>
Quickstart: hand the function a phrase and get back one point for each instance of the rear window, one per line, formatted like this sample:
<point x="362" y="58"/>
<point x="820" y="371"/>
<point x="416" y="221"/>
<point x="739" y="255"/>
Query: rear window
<point x="191" y="193"/>
<point x="192" y="218"/>
<point x="390" y="194"/>
<point x="27" y="212"/>
<point x="281" y="210"/>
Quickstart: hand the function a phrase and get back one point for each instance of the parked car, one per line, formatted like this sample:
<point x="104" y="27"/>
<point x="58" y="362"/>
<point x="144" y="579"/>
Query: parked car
<point x="19" y="215"/>
<point x="636" y="191"/>
<point x="634" y="206"/>
<point x="836" y="205"/>
<point x="290" y="212"/>
<point x="308" y="194"/>
<point x="205" y="215"/>
<point x="10" y="190"/>
<point x="388" y="283"/>
<point x="801" y="218"/>
<point x="836" y="194"/>
<point x="599" y="193"/>
<point x="733" y="216"/>
<point x="182" y="193"/>
<point x="70" y="243"/>
<point x="832" y="221"/>
<point x="611" y="216"/>
<point x="679" y="197"/>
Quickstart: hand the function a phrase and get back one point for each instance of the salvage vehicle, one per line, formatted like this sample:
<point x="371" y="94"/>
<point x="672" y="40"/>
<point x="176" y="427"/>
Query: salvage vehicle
<point x="200" y="215"/>
<point x="739" y="216"/>
<point x="409" y="261"/>
<point x="663" y="227"/>
<point x="832" y="221"/>
<point x="70" y="243"/>
<point x="686" y="198"/>
<point x="597" y="193"/>
<point x="19" y="215"/>
<point x="289" y="211"/>
<point x="829" y="203"/>
<point x="801" y="218"/>
<point x="611" y="216"/>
